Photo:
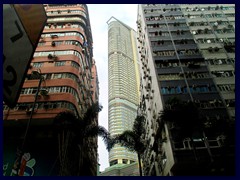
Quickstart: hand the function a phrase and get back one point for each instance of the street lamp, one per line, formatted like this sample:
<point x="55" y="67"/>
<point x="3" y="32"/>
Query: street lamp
<point x="36" y="74"/>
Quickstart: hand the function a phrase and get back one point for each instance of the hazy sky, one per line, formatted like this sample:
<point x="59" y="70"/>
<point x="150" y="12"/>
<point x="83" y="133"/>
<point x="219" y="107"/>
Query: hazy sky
<point x="99" y="15"/>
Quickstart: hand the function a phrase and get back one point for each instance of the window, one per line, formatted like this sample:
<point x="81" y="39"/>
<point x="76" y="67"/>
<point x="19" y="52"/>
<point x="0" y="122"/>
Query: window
<point x="164" y="159"/>
<point x="113" y="162"/>
<point x="57" y="76"/>
<point x="60" y="63"/>
<point x="38" y="64"/>
<point x="41" y="43"/>
<point x="48" y="76"/>
<point x="178" y="89"/>
<point x="58" y="43"/>
<point x="74" y="64"/>
<point x="124" y="161"/>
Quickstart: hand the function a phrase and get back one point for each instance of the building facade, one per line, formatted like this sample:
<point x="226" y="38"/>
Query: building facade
<point x="62" y="76"/>
<point x="123" y="78"/>
<point x="122" y="170"/>
<point x="213" y="29"/>
<point x="187" y="52"/>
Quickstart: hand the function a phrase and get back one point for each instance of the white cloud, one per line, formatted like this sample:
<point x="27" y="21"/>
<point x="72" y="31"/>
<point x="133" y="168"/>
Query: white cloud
<point x="99" y="15"/>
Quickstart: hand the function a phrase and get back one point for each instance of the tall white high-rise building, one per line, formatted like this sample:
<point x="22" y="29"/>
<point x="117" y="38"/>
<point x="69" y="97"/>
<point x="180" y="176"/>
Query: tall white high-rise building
<point x="124" y="83"/>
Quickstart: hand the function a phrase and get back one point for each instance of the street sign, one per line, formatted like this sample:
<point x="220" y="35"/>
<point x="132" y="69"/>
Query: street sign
<point x="22" y="28"/>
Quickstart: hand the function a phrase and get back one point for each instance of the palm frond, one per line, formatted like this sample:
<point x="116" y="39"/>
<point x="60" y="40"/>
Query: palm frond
<point x="91" y="113"/>
<point x="65" y="120"/>
<point x="138" y="126"/>
<point x="126" y="139"/>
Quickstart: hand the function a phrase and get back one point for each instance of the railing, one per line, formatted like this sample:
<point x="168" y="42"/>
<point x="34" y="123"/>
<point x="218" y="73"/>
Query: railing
<point x="199" y="143"/>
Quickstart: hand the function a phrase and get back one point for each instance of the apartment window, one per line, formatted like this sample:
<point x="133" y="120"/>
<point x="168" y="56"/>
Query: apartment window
<point x="230" y="61"/>
<point x="55" y="35"/>
<point x="178" y="17"/>
<point x="38" y="64"/>
<point x="54" y="89"/>
<point x="60" y="63"/>
<point x="29" y="91"/>
<point x="48" y="76"/>
<point x="164" y="90"/>
<point x="41" y="43"/>
<point x="59" y="19"/>
<point x="226" y="87"/>
<point x="204" y="89"/>
<point x="164" y="34"/>
<point x="57" y="43"/>
<point x="230" y="15"/>
<point x="230" y="103"/>
<point x="60" y="26"/>
<point x="74" y="64"/>
<point x="164" y="159"/>
<point x="57" y="76"/>
<point x="113" y="162"/>
<point x="178" y="90"/>
<point x="164" y="53"/>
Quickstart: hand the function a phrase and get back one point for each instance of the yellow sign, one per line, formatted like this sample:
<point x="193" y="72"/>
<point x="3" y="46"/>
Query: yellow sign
<point x="22" y="28"/>
<point x="33" y="18"/>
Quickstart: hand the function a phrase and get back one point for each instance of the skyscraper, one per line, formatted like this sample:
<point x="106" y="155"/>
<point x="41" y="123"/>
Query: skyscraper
<point x="187" y="52"/>
<point x="123" y="99"/>
<point x="62" y="76"/>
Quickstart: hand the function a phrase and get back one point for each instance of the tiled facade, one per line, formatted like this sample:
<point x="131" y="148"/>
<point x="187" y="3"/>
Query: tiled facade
<point x="122" y="170"/>
<point x="188" y="52"/>
<point x="64" y="59"/>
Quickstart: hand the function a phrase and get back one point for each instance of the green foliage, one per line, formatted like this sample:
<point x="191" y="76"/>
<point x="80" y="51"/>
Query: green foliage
<point x="75" y="135"/>
<point x="132" y="139"/>
<point x="184" y="116"/>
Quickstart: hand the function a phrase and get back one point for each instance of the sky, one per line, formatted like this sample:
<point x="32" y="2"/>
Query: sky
<point x="99" y="15"/>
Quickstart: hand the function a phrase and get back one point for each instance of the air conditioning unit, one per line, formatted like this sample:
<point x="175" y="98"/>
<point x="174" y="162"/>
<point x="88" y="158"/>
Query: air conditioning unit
<point x="210" y="49"/>
<point x="53" y="57"/>
<point x="44" y="92"/>
<point x="50" y="56"/>
<point x="41" y="39"/>
<point x="29" y="110"/>
<point x="35" y="74"/>
<point x="54" y="36"/>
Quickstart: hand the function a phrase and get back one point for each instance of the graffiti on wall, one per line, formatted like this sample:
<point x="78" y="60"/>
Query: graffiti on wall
<point x="23" y="165"/>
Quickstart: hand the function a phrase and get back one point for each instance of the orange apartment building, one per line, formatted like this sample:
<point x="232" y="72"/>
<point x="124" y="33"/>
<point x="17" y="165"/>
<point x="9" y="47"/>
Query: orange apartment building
<point x="64" y="76"/>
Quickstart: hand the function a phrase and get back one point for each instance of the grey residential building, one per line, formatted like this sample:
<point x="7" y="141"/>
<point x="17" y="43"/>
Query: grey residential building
<point x="188" y="52"/>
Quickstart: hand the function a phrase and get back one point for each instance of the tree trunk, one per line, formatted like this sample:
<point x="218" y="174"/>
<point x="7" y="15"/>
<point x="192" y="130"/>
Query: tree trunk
<point x="194" y="149"/>
<point x="140" y="166"/>
<point x="63" y="138"/>
<point x="80" y="168"/>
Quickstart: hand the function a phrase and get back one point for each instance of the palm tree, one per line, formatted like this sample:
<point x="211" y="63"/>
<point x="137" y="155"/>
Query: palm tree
<point x="132" y="139"/>
<point x="185" y="118"/>
<point x="75" y="135"/>
<point x="190" y="121"/>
